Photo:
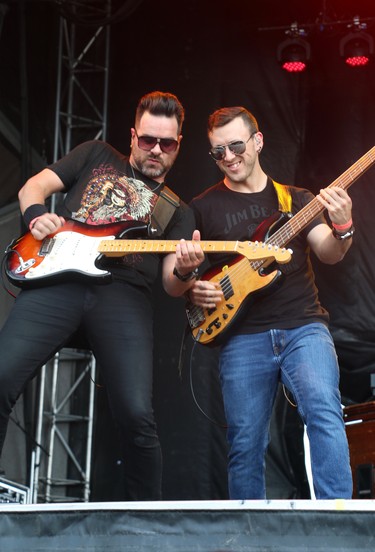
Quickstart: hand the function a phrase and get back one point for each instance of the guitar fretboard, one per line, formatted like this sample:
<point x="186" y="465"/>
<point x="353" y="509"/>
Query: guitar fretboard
<point x="297" y="223"/>
<point x="301" y="219"/>
<point x="251" y="250"/>
<point x="113" y="248"/>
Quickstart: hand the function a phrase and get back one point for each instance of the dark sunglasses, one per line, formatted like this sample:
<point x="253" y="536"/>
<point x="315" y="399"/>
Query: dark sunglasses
<point x="147" y="143"/>
<point x="237" y="147"/>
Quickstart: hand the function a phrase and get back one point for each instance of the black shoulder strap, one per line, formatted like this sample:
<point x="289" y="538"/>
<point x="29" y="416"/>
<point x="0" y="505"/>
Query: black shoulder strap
<point x="163" y="211"/>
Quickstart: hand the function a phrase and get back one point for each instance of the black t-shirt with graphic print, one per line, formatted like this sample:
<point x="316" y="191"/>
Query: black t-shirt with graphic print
<point x="290" y="301"/>
<point x="102" y="188"/>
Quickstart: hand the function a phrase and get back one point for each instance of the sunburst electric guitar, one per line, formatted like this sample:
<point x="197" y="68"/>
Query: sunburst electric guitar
<point x="76" y="251"/>
<point x="242" y="280"/>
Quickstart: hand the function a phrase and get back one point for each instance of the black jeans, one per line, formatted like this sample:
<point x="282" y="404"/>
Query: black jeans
<point x="117" y="320"/>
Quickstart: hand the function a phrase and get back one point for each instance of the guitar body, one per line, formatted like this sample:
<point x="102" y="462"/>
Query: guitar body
<point x="241" y="284"/>
<point x="242" y="281"/>
<point x="70" y="253"/>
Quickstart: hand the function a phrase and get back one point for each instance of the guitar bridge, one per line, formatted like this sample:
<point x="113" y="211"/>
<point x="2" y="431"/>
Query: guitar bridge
<point x="195" y="315"/>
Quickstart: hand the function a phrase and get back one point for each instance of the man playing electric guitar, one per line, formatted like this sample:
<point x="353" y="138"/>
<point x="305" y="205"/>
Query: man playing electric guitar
<point x="103" y="187"/>
<point x="280" y="336"/>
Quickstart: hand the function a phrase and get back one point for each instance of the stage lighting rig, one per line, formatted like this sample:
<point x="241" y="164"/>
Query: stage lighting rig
<point x="294" y="53"/>
<point x="357" y="47"/>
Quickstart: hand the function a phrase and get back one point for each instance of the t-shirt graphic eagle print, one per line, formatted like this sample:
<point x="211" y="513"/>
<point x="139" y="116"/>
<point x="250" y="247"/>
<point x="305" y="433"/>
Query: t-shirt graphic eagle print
<point x="111" y="196"/>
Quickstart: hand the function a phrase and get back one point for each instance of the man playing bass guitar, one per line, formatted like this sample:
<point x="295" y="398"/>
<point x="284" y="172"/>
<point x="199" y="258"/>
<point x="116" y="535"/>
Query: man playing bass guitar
<point x="281" y="336"/>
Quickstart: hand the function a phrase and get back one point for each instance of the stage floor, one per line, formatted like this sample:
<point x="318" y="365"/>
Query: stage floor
<point x="186" y="526"/>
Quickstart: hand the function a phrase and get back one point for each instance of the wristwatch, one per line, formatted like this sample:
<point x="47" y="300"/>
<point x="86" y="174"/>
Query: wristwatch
<point x="185" y="277"/>
<point x="346" y="236"/>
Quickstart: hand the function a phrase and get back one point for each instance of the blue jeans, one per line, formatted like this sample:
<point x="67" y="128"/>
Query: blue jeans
<point x="305" y="361"/>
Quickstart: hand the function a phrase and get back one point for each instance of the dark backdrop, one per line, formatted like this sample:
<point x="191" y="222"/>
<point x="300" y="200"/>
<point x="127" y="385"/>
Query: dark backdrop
<point x="315" y="126"/>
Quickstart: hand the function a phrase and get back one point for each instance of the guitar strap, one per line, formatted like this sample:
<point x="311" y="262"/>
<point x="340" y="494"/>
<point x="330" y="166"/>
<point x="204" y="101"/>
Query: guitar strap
<point x="163" y="211"/>
<point x="284" y="197"/>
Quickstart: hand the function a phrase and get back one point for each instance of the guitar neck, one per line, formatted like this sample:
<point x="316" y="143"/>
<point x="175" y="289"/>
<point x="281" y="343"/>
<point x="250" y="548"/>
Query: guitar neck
<point x="250" y="250"/>
<point x="308" y="213"/>
<point x="118" y="248"/>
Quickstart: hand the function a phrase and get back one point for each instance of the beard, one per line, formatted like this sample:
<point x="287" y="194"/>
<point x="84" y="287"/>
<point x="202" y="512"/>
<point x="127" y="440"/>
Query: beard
<point x="150" y="169"/>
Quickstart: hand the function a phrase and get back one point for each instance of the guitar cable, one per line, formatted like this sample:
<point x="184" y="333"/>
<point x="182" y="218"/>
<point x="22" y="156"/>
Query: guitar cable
<point x="191" y="383"/>
<point x="219" y="424"/>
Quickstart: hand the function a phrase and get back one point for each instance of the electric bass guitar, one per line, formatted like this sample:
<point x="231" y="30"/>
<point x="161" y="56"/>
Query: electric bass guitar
<point x="242" y="280"/>
<point x="76" y="251"/>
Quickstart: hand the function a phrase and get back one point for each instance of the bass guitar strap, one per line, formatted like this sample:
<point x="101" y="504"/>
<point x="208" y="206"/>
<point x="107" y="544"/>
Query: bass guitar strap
<point x="284" y="197"/>
<point x="165" y="206"/>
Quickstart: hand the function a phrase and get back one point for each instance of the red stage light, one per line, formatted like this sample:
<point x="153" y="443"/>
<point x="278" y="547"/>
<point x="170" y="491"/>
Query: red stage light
<point x="293" y="54"/>
<point x="357" y="48"/>
<point x="294" y="66"/>
<point x="357" y="61"/>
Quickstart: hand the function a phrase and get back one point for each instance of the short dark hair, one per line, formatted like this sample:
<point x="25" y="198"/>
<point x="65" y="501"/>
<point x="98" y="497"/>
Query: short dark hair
<point x="225" y="115"/>
<point x="161" y="103"/>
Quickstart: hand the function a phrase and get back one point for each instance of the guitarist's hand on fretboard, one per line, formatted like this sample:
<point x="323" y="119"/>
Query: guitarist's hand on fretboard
<point x="189" y="254"/>
<point x="338" y="204"/>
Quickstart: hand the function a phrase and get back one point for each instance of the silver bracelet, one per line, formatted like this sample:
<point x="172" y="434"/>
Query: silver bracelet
<point x="346" y="236"/>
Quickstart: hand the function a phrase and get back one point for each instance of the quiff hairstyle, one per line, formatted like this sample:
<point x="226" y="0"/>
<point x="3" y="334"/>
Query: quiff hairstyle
<point x="225" y="115"/>
<point x="161" y="103"/>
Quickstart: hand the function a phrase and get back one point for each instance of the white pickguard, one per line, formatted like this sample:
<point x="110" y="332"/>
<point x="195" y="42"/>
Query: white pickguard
<point x="70" y="251"/>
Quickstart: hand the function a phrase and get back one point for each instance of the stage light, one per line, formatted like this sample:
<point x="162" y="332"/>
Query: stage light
<point x="294" y="54"/>
<point x="357" y="47"/>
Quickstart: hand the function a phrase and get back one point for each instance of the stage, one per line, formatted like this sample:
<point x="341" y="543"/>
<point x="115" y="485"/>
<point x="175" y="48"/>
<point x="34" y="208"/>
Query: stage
<point x="186" y="526"/>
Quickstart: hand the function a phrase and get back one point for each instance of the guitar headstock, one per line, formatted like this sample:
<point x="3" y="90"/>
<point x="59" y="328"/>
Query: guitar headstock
<point x="256" y="250"/>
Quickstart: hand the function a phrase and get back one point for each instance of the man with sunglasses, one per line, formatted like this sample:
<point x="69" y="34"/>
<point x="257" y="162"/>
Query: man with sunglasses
<point x="280" y="334"/>
<point x="103" y="187"/>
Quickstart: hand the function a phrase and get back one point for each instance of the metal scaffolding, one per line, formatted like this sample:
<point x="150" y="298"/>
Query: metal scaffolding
<point x="61" y="457"/>
<point x="82" y="84"/>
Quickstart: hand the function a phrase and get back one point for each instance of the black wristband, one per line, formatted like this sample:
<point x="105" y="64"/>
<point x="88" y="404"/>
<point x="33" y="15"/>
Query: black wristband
<point x="185" y="277"/>
<point x="35" y="210"/>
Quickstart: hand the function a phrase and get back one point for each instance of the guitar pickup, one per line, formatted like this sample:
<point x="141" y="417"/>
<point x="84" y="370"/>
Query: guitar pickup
<point x="226" y="287"/>
<point x="46" y="247"/>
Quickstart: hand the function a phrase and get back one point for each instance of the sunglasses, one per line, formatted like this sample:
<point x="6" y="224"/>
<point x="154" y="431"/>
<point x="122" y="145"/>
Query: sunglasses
<point x="237" y="147"/>
<point x="147" y="143"/>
